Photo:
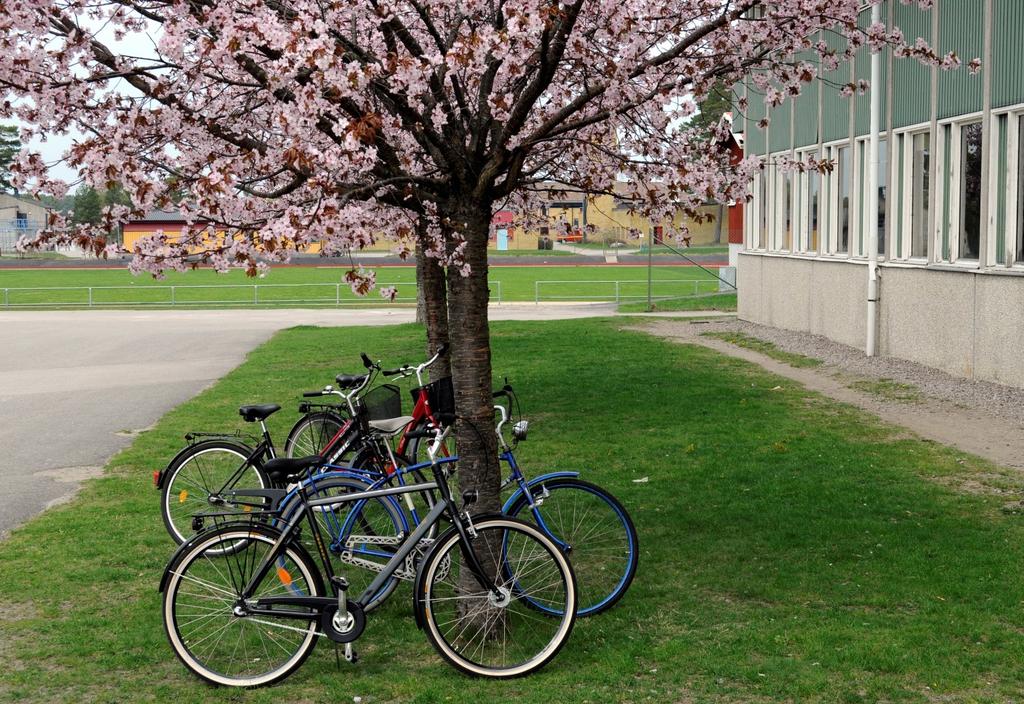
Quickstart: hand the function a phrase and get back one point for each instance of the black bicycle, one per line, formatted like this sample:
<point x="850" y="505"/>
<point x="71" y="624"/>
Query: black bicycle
<point x="244" y="602"/>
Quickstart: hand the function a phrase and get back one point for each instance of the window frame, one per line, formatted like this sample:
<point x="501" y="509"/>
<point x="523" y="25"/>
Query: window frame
<point x="950" y="176"/>
<point x="904" y="201"/>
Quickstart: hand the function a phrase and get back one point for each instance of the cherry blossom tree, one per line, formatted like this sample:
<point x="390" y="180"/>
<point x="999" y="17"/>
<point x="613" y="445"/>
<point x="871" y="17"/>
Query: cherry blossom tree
<point x="283" y="123"/>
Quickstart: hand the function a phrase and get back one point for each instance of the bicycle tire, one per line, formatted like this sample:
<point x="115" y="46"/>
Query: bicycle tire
<point x="202" y="625"/>
<point x="530" y="563"/>
<point x="311" y="433"/>
<point x="182" y="496"/>
<point x="602" y="583"/>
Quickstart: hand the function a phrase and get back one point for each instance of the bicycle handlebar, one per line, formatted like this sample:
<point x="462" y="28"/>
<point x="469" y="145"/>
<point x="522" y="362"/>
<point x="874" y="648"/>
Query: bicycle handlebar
<point x="366" y="361"/>
<point x="312" y="394"/>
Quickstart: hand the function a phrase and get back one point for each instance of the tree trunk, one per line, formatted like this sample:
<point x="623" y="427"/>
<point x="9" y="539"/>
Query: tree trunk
<point x="718" y="223"/>
<point x="469" y="335"/>
<point x="421" y="294"/>
<point x="434" y="295"/>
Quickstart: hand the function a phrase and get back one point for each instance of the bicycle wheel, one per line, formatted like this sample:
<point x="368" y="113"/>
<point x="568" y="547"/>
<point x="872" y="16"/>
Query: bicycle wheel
<point x="361" y="536"/>
<point x="596" y="532"/>
<point x="311" y="433"/>
<point x="206" y="469"/>
<point x="497" y="636"/>
<point x="205" y="617"/>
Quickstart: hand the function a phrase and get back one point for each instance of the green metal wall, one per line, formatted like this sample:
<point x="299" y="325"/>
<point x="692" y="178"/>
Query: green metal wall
<point x="779" y="134"/>
<point x="911" y="79"/>
<point x="835" y="109"/>
<point x="805" y="121"/>
<point x="1007" y="53"/>
<point x="755" y="111"/>
<point x="961" y="29"/>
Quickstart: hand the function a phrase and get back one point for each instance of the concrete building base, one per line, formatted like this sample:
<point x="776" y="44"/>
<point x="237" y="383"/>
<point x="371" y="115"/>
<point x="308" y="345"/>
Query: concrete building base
<point x="965" y="322"/>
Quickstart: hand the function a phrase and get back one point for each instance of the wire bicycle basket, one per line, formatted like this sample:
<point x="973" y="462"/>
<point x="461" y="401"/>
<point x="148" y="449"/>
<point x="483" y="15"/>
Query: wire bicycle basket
<point x="440" y="395"/>
<point x="381" y="402"/>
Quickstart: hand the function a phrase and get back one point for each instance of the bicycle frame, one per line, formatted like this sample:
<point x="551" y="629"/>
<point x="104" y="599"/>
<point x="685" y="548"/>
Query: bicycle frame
<point x="445" y="505"/>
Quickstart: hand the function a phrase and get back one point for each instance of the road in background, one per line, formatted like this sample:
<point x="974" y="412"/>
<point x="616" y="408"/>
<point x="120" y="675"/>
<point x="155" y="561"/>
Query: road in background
<point x="75" y="386"/>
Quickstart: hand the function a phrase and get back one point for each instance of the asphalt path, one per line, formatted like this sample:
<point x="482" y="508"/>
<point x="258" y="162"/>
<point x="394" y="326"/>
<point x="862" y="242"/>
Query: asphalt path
<point x="76" y="386"/>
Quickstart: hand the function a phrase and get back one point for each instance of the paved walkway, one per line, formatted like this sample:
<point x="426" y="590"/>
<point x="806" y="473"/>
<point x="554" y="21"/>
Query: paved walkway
<point x="76" y="385"/>
<point x="996" y="437"/>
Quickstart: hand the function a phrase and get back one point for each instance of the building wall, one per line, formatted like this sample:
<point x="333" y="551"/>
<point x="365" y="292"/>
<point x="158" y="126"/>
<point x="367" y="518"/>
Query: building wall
<point x="10" y="206"/>
<point x="968" y="324"/>
<point x="940" y="304"/>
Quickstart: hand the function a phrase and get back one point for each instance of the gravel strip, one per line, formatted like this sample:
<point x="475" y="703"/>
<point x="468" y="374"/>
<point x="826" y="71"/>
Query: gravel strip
<point x="1004" y="401"/>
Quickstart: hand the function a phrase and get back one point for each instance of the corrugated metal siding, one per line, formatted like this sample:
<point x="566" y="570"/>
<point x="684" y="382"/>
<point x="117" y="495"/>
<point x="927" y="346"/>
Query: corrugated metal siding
<point x="755" y="111"/>
<point x="1007" y="53"/>
<point x="912" y="80"/>
<point x="806" y="118"/>
<point x="835" y="108"/>
<point x="961" y="29"/>
<point x="862" y="68"/>
<point x="779" y="134"/>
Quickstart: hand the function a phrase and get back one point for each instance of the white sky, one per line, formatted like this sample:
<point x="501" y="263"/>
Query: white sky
<point x="56" y="144"/>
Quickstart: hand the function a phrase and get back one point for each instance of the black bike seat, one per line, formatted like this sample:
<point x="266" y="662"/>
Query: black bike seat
<point x="286" y="469"/>
<point x="251" y="414"/>
<point x="349" y="381"/>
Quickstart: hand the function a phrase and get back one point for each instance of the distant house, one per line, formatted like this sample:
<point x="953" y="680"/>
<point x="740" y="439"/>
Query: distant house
<point x="170" y="222"/>
<point x="19" y="216"/>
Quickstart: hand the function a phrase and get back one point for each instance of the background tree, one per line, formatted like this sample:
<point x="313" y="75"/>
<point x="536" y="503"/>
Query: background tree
<point x="10" y="145"/>
<point x="287" y="123"/>
<point x="87" y="206"/>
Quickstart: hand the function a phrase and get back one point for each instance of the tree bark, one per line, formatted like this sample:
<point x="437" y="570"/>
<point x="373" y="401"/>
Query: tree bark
<point x="433" y="292"/>
<point x="718" y="223"/>
<point x="469" y="334"/>
<point x="421" y="294"/>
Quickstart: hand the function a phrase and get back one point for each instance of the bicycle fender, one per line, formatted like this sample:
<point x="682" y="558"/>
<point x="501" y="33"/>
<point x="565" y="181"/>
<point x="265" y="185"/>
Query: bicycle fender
<point x="534" y="482"/>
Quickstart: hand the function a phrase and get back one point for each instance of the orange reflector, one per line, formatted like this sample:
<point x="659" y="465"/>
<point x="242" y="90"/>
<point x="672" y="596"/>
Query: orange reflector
<point x="182" y="496"/>
<point x="247" y="509"/>
<point x="284" y="576"/>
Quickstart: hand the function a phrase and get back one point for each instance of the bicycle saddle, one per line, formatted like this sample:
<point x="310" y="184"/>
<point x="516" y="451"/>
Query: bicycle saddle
<point x="349" y="381"/>
<point x="251" y="414"/>
<point x="390" y="426"/>
<point x="286" y="469"/>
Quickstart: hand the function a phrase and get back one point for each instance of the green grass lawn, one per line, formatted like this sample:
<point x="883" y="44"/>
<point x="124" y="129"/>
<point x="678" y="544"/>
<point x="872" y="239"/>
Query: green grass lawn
<point x="318" y="285"/>
<point x="722" y="302"/>
<point x="792" y="549"/>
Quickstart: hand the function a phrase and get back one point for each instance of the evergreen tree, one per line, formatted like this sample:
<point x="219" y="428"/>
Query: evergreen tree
<point x="10" y="145"/>
<point x="88" y="205"/>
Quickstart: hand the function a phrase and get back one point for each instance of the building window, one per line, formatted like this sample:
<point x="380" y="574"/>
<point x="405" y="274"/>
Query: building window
<point x="920" y="193"/>
<point x="812" y="209"/>
<point x="762" y="229"/>
<point x="971" y="159"/>
<point x="883" y="192"/>
<point x="1019" y="256"/>
<point x="787" y="211"/>
<point x="844" y="169"/>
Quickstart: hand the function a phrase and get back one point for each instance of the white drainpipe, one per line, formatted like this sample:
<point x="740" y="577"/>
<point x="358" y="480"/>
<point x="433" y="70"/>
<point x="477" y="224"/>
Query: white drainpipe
<point x="872" y="219"/>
